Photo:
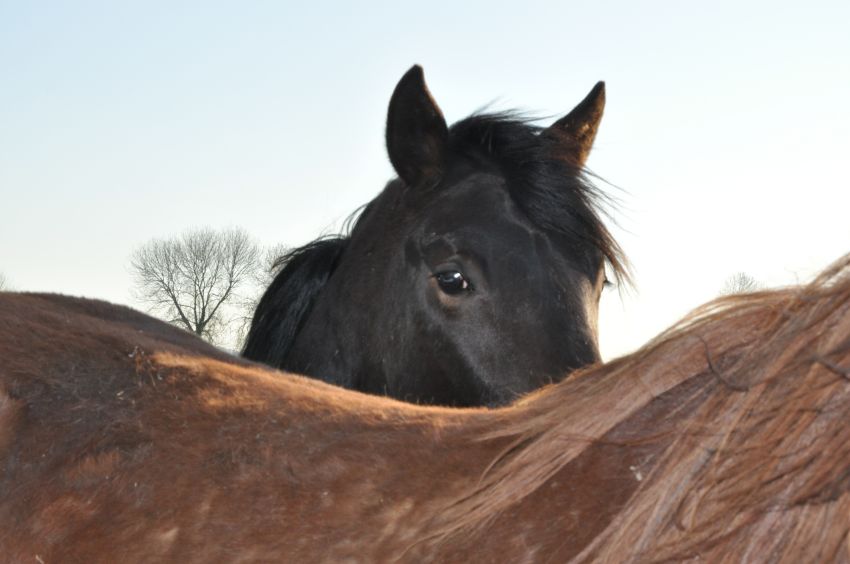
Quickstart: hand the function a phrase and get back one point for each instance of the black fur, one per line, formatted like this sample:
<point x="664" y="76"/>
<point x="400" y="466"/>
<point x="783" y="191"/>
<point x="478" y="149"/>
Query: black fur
<point x="495" y="199"/>
<point x="281" y="311"/>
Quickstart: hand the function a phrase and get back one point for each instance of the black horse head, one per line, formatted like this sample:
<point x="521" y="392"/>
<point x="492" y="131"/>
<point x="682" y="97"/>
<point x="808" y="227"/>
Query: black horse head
<point x="471" y="279"/>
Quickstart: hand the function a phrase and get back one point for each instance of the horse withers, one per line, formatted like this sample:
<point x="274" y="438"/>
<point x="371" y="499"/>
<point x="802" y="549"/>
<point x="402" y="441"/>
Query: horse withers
<point x="472" y="278"/>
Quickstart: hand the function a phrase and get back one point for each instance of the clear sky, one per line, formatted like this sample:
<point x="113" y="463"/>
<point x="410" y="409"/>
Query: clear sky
<point x="727" y="127"/>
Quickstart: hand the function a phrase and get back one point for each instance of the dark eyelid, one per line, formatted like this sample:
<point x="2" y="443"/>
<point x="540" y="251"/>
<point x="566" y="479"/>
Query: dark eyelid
<point x="448" y="266"/>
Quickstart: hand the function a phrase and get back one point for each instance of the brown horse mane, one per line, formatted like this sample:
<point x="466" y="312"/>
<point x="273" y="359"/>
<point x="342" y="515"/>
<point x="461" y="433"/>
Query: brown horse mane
<point x="770" y="435"/>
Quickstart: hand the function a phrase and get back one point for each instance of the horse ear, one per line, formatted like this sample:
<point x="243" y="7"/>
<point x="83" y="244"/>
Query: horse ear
<point x="575" y="132"/>
<point x="417" y="133"/>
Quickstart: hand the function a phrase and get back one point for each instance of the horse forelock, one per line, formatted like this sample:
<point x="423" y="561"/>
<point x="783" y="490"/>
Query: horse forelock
<point x="557" y="196"/>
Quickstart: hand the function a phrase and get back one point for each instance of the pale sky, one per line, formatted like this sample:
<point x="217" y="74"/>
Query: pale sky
<point x="727" y="128"/>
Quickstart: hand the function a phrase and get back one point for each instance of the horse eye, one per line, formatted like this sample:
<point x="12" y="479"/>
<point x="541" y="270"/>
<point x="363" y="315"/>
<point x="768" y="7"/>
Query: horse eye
<point x="452" y="282"/>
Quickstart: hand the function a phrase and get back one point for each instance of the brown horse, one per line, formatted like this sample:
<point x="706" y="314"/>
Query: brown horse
<point x="123" y="439"/>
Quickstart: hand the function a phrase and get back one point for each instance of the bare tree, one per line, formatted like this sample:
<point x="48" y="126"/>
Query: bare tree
<point x="193" y="277"/>
<point x="2" y="282"/>
<point x="740" y="283"/>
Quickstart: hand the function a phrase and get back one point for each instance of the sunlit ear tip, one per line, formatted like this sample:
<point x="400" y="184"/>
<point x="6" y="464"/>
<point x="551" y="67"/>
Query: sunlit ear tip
<point x="596" y="96"/>
<point x="412" y="81"/>
<point x="599" y="89"/>
<point x="415" y="73"/>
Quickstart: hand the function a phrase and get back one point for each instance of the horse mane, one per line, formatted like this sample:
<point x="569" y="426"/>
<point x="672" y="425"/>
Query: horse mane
<point x="557" y="195"/>
<point x="287" y="302"/>
<point x="757" y="461"/>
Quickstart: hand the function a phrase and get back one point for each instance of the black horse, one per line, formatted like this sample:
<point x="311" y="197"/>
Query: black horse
<point x="472" y="278"/>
